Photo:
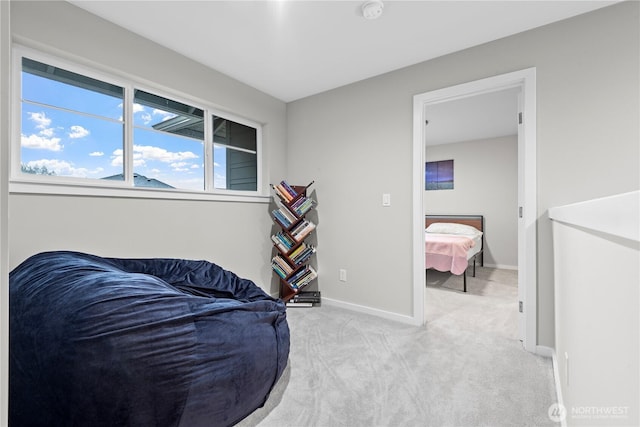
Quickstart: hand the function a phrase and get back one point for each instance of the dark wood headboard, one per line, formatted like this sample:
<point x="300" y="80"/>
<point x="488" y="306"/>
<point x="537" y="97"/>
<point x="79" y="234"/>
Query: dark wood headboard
<point x="476" y="221"/>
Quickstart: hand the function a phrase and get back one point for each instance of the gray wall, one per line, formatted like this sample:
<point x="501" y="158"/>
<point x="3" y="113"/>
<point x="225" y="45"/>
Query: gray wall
<point x="232" y="234"/>
<point x="485" y="183"/>
<point x="356" y="142"/>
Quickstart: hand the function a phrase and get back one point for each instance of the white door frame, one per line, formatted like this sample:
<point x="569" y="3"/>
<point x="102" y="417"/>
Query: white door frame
<point x="527" y="257"/>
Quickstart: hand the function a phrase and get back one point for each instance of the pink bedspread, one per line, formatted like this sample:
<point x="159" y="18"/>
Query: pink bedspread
<point x="447" y="252"/>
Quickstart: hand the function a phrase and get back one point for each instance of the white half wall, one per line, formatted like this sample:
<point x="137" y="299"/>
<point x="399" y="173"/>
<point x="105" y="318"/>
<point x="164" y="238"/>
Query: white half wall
<point x="597" y="277"/>
<point x="485" y="183"/>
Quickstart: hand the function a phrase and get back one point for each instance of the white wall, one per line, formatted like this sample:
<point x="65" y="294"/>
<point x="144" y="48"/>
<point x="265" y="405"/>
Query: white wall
<point x="485" y="183"/>
<point x="5" y="105"/>
<point x="232" y="234"/>
<point x="356" y="142"/>
<point x="597" y="304"/>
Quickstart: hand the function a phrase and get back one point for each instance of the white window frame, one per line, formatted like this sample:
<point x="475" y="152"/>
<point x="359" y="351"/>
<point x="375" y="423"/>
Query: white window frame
<point x="23" y="183"/>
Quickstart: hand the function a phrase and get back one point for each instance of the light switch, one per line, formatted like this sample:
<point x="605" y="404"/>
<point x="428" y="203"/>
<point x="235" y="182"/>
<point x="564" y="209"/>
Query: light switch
<point x="386" y="199"/>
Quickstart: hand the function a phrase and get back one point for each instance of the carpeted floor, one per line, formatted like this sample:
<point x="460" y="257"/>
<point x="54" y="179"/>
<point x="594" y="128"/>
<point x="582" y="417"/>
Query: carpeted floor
<point x="464" y="368"/>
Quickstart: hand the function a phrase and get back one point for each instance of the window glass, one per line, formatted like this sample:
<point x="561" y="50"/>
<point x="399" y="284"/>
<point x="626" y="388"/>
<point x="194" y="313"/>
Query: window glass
<point x="71" y="125"/>
<point x="76" y="126"/>
<point x="168" y="143"/>
<point x="234" y="155"/>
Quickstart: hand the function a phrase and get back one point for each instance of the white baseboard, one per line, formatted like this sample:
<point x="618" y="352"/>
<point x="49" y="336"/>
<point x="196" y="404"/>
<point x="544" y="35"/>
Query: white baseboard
<point x="368" y="310"/>
<point x="556" y="377"/>
<point x="545" y="351"/>
<point x="501" y="266"/>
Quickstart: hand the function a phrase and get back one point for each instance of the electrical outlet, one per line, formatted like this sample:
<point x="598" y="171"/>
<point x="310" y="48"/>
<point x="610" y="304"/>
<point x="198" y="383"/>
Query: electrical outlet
<point x="343" y="275"/>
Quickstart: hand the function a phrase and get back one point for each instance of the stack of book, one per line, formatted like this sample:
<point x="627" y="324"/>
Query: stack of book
<point x="284" y="216"/>
<point x="302" y="277"/>
<point x="300" y="231"/>
<point x="285" y="191"/>
<point x="302" y="205"/>
<point x="283" y="241"/>
<point x="304" y="299"/>
<point x="280" y="266"/>
<point x="302" y="253"/>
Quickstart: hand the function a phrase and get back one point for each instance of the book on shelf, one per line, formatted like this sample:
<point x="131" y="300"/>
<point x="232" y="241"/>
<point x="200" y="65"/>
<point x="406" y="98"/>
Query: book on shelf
<point x="303" y="205"/>
<point x="302" y="278"/>
<point x="283" y="241"/>
<point x="287" y="192"/>
<point x="300" y="231"/>
<point x="302" y="253"/>
<point x="286" y="212"/>
<point x="284" y="222"/>
<point x="289" y="189"/>
<point x="291" y="303"/>
<point x="281" y="266"/>
<point x="307" y="297"/>
<point x="282" y="191"/>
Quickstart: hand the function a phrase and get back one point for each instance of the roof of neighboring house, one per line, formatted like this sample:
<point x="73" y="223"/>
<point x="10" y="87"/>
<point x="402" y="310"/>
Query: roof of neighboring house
<point x="140" y="181"/>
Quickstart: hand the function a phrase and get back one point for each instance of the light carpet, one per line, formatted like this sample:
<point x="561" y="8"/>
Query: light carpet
<point x="466" y="367"/>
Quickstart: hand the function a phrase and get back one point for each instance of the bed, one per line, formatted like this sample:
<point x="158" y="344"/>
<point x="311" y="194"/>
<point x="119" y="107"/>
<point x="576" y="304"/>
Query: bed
<point x="452" y="242"/>
<point x="139" y="342"/>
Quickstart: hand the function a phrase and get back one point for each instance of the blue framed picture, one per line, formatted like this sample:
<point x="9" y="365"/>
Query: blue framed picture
<point x="438" y="175"/>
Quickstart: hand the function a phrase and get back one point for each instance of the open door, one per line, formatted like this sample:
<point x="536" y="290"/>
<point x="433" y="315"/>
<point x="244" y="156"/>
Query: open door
<point x="522" y="265"/>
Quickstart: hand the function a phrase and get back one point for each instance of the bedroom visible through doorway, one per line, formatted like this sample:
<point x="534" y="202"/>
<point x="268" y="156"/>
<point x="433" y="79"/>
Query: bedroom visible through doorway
<point x="479" y="134"/>
<point x="515" y="221"/>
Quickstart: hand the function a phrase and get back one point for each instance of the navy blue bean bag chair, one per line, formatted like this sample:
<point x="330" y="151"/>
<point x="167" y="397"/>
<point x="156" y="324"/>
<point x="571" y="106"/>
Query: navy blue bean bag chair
<point x="139" y="342"/>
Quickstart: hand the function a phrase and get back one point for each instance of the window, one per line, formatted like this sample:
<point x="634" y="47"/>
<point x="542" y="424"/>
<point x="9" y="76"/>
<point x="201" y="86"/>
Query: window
<point x="234" y="154"/>
<point x="70" y="123"/>
<point x="78" y="128"/>
<point x="168" y="143"/>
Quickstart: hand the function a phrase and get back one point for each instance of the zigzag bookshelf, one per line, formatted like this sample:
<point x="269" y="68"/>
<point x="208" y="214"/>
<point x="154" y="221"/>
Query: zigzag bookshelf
<point x="291" y="261"/>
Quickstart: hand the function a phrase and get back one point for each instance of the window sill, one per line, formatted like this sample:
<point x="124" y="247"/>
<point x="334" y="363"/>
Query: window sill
<point x="26" y="187"/>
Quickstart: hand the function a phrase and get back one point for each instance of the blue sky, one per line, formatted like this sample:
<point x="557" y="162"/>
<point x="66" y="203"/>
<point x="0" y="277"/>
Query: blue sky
<point x="89" y="145"/>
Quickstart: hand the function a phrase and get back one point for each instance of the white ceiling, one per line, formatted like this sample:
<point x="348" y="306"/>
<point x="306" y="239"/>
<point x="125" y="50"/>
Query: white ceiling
<point x="293" y="49"/>
<point x="479" y="117"/>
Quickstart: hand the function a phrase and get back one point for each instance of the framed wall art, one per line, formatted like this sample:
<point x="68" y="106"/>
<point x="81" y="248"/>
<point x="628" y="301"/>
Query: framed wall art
<point x="438" y="175"/>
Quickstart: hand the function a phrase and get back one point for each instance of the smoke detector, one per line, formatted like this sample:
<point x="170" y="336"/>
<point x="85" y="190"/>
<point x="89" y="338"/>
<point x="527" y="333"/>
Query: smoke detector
<point x="372" y="9"/>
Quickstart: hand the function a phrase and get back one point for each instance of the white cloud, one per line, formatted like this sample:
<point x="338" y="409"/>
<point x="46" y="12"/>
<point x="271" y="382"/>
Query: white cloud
<point x="40" y="143"/>
<point x="195" y="166"/>
<point x="219" y="181"/>
<point x="78" y="132"/>
<point x="146" y="118"/>
<point x="165" y="115"/>
<point x="117" y="158"/>
<point x="144" y="153"/>
<point x="149" y="152"/>
<point x="48" y="132"/>
<point x="41" y="120"/>
<point x="180" y="166"/>
<point x="63" y="168"/>
<point x="155" y="114"/>
<point x="96" y="154"/>
<point x="43" y="123"/>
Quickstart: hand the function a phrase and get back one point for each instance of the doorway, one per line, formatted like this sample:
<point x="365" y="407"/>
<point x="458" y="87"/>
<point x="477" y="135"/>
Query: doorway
<point x="524" y="82"/>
